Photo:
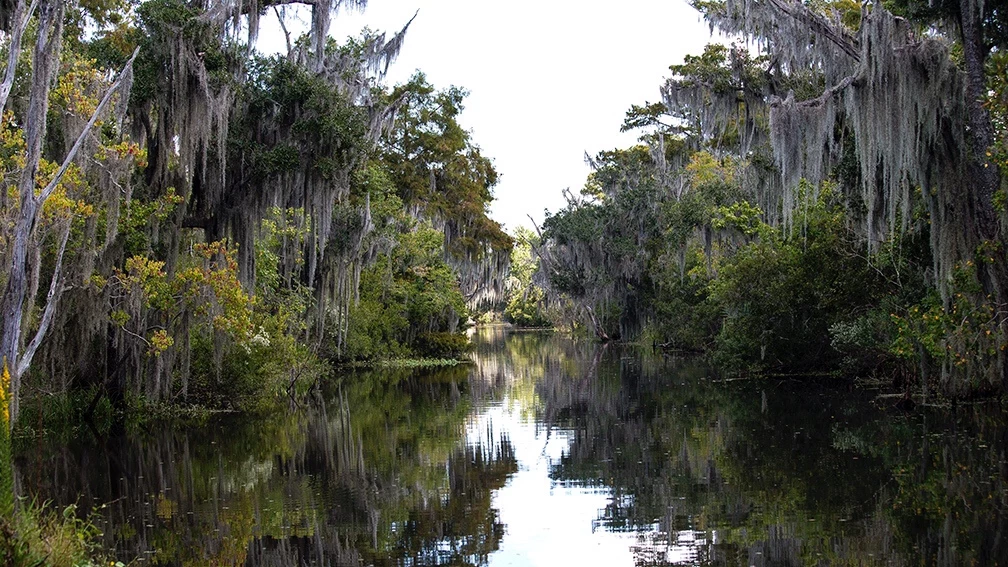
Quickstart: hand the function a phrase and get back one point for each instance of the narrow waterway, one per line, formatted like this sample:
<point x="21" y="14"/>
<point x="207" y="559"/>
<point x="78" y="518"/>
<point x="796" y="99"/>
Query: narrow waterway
<point x="547" y="452"/>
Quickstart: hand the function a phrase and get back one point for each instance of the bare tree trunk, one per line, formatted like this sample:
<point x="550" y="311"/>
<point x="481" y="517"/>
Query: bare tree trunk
<point x="980" y="135"/>
<point x="597" y="326"/>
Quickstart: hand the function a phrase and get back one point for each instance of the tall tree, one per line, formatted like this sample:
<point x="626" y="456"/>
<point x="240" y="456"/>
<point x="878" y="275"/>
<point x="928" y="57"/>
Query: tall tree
<point x="36" y="189"/>
<point x="192" y="56"/>
<point x="917" y="118"/>
<point x="441" y="172"/>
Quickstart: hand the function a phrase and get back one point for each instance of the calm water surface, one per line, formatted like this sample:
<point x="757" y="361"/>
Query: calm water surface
<point x="549" y="452"/>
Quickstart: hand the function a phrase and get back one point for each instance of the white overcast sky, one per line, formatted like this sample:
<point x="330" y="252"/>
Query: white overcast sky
<point x="548" y="79"/>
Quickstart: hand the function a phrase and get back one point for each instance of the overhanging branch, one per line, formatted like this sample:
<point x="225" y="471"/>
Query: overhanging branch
<point x="820" y="25"/>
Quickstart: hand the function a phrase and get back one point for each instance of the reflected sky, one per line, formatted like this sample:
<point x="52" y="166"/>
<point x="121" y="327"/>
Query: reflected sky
<point x="546" y="522"/>
<point x="551" y="522"/>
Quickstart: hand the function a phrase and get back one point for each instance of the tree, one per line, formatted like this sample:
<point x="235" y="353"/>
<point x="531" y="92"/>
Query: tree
<point x="23" y="242"/>
<point x="437" y="168"/>
<point x="525" y="299"/>
<point x="916" y="117"/>
<point x="75" y="115"/>
<point x="598" y="251"/>
<point x="149" y="248"/>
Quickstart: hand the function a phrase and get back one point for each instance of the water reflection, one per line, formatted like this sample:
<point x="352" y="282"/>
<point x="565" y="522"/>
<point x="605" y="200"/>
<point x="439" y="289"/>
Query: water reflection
<point x="546" y="451"/>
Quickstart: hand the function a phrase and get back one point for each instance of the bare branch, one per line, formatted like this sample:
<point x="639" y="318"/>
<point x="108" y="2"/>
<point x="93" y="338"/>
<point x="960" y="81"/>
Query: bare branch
<point x="21" y="18"/>
<point x="136" y="335"/>
<point x="535" y="225"/>
<point x="280" y="18"/>
<point x="52" y="298"/>
<point x="87" y="129"/>
<point x="821" y="99"/>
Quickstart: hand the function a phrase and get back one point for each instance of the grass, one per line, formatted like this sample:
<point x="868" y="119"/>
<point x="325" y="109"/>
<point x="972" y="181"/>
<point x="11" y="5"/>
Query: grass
<point x="39" y="535"/>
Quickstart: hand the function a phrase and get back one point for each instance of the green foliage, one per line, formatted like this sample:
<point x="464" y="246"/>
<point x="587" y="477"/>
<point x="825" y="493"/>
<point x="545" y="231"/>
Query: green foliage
<point x="205" y="287"/>
<point x="709" y="69"/>
<point x="230" y="378"/>
<point x="963" y="334"/>
<point x="409" y="290"/>
<point x="646" y="116"/>
<point x="63" y="417"/>
<point x="295" y="120"/>
<point x="443" y="345"/>
<point x="997" y="105"/>
<point x="524" y="304"/>
<point x="39" y="535"/>
<point x="435" y="165"/>
<point x="139" y="216"/>
<point x="781" y="295"/>
<point x="743" y="217"/>
<point x="926" y="14"/>
<point x="416" y="362"/>
<point x="685" y="319"/>
<point x="159" y="24"/>
<point x="597" y="251"/>
<point x="377" y="328"/>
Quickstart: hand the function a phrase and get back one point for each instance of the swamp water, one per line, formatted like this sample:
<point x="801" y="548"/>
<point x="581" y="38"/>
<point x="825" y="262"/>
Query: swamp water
<point x="550" y="452"/>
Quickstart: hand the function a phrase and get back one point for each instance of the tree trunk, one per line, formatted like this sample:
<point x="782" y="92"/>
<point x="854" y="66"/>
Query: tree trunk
<point x="13" y="302"/>
<point x="984" y="176"/>
<point x="45" y="63"/>
<point x="45" y="59"/>
<point x="600" y="332"/>
<point x="980" y="136"/>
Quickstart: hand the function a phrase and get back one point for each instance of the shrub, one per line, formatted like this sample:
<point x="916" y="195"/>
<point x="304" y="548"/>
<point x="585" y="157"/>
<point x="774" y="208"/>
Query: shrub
<point x="442" y="345"/>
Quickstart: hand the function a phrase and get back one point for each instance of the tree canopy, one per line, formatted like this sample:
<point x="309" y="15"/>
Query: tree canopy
<point x="196" y="208"/>
<point x="843" y="139"/>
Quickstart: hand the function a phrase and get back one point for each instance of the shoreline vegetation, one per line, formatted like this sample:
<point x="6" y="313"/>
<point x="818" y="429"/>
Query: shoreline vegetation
<point x="192" y="229"/>
<point x="410" y="363"/>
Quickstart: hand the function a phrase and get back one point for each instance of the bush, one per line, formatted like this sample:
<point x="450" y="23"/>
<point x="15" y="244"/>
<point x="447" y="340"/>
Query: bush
<point x="781" y="296"/>
<point x="442" y="345"/>
<point x="249" y="378"/>
<point x="685" y="318"/>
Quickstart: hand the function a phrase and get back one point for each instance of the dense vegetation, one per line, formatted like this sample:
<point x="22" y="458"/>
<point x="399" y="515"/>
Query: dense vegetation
<point x="220" y="230"/>
<point x="829" y="201"/>
<point x="187" y="223"/>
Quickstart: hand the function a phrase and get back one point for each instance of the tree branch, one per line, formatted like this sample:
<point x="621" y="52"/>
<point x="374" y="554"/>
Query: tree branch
<point x="87" y="129"/>
<point x="283" y="26"/>
<point x="821" y="99"/>
<point x="820" y="25"/>
<point x="52" y="298"/>
<point x="222" y="12"/>
<point x="20" y="23"/>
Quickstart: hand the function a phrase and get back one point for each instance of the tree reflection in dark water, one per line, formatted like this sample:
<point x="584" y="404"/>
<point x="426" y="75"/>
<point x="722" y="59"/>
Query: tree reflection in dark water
<point x="380" y="473"/>
<point x="386" y="469"/>
<point x="764" y="472"/>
